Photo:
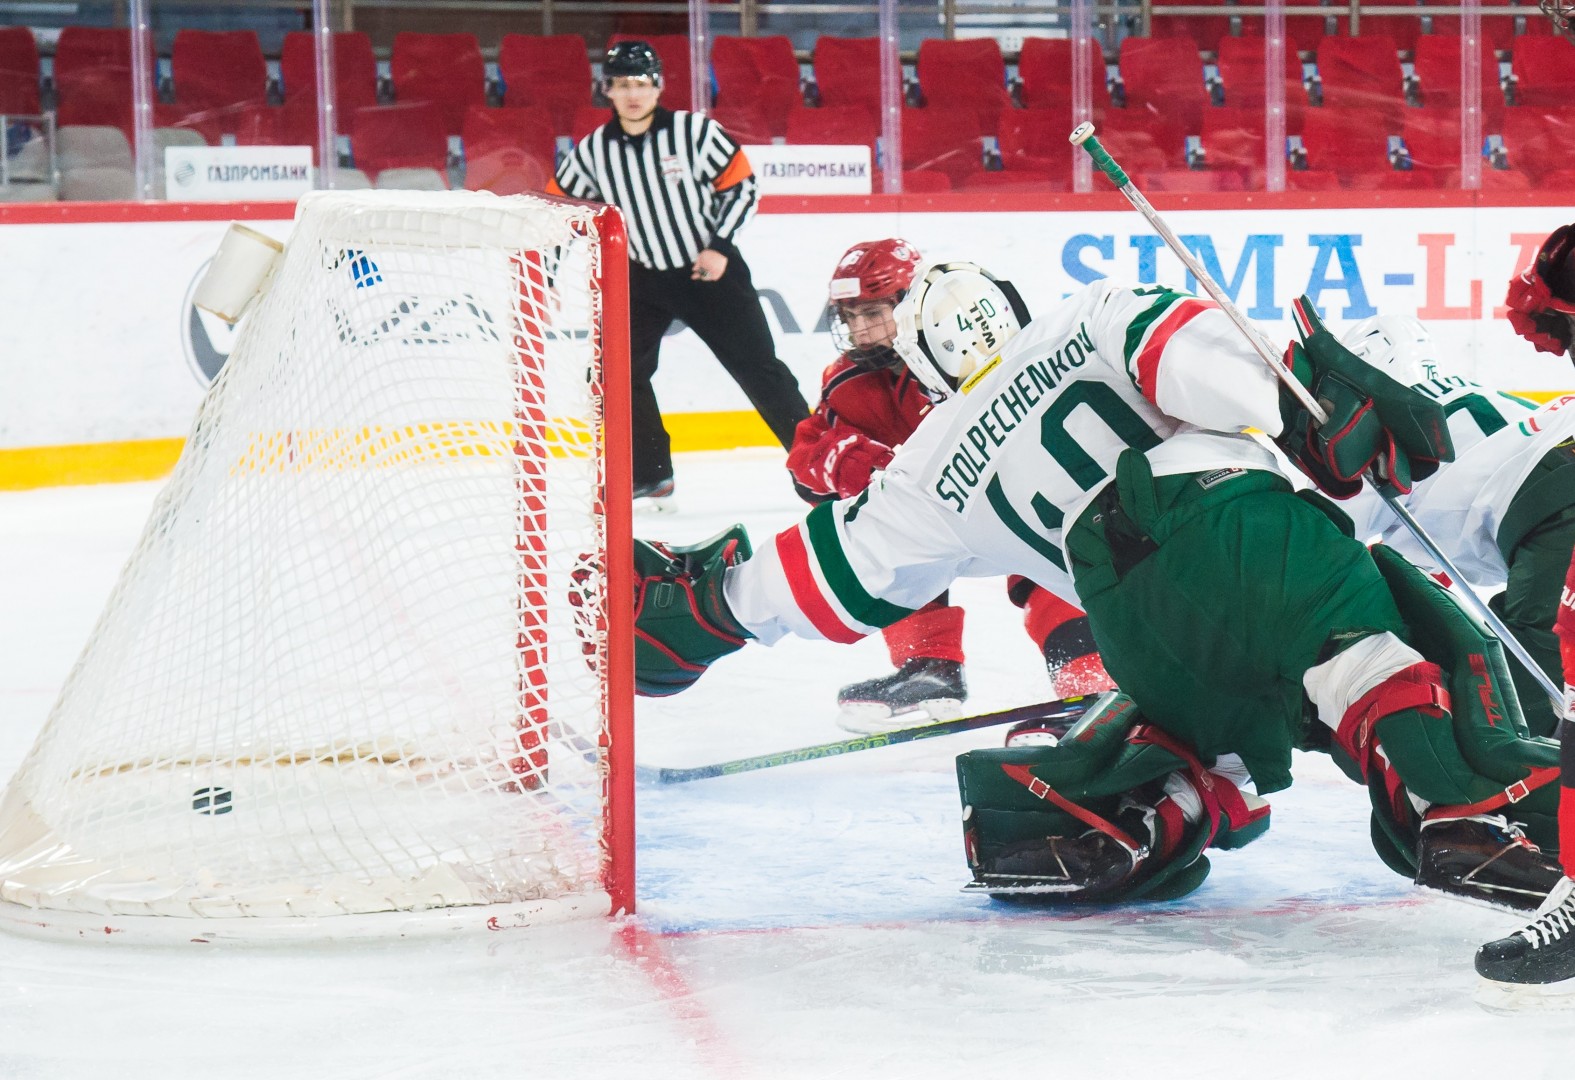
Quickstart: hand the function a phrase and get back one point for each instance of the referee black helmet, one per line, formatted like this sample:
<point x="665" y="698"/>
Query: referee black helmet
<point x="632" y="59"/>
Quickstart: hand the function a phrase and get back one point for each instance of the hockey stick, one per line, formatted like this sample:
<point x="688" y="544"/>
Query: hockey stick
<point x="1083" y="136"/>
<point x="1065" y="709"/>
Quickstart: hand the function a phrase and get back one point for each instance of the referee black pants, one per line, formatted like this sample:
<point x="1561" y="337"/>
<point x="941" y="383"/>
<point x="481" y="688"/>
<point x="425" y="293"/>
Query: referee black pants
<point x="726" y="315"/>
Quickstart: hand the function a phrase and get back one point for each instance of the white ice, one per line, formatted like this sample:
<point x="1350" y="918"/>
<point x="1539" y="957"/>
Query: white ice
<point x="803" y="921"/>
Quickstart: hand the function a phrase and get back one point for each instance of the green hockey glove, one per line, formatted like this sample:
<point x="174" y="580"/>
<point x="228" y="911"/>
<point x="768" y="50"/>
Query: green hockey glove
<point x="1374" y="423"/>
<point x="682" y="623"/>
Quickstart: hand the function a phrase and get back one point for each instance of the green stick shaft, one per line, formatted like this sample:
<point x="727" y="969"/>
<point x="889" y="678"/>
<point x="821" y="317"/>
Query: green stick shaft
<point x="1049" y="710"/>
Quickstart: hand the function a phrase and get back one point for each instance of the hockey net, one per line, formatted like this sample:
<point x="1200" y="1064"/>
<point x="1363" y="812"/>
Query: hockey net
<point x="363" y="661"/>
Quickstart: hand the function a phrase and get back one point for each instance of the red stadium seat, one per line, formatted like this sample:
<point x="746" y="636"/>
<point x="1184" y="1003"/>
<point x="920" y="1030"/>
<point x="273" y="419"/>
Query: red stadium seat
<point x="1165" y="92"/>
<point x="1437" y="68"/>
<point x="1035" y="139"/>
<point x="847" y="70"/>
<point x="587" y="118"/>
<point x="18" y="71"/>
<point x="1349" y="144"/>
<point x="1136" y="150"/>
<point x="967" y="73"/>
<point x="942" y="140"/>
<point x="1015" y="181"/>
<point x="509" y="150"/>
<point x="761" y="71"/>
<point x="216" y="69"/>
<point x="1403" y="30"/>
<point x="1241" y="67"/>
<point x="1362" y="75"/>
<point x="444" y="69"/>
<point x="1234" y="138"/>
<point x="355" y="69"/>
<point x="847" y="125"/>
<point x="1432" y="139"/>
<point x="1539" y="140"/>
<point x="673" y="50"/>
<point x="553" y="71"/>
<point x="1204" y="31"/>
<point x="408" y="136"/>
<point x="1045" y="69"/>
<point x="93" y="77"/>
<point x="1303" y="32"/>
<point x="1498" y="30"/>
<point x="1544" y="70"/>
<point x="745" y="123"/>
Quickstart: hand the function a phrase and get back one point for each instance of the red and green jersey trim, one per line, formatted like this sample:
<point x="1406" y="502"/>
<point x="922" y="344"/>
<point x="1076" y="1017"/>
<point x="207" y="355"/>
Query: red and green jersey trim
<point x="824" y="584"/>
<point x="1151" y="331"/>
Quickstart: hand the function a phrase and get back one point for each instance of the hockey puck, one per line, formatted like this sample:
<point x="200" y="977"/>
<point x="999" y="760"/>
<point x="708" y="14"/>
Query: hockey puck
<point x="211" y="800"/>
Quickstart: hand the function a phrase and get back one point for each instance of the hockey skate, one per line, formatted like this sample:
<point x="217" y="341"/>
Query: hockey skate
<point x="923" y="690"/>
<point x="1485" y="858"/>
<point x="655" y="497"/>
<point x="1539" y="957"/>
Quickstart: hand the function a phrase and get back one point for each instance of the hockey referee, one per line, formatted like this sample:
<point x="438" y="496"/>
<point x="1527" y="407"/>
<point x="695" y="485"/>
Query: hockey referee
<point x="685" y="190"/>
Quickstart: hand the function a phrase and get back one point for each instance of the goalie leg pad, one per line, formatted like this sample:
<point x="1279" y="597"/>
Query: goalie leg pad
<point x="1116" y="811"/>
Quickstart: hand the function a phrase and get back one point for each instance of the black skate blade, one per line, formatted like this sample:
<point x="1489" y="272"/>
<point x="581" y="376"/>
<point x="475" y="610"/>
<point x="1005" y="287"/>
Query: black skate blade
<point x="1507" y="901"/>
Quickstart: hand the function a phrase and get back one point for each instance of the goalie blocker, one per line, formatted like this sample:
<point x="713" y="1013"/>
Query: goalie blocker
<point x="1118" y="810"/>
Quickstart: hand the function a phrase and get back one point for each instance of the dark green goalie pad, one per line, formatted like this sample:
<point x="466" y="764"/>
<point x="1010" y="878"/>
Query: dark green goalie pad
<point x="1022" y="796"/>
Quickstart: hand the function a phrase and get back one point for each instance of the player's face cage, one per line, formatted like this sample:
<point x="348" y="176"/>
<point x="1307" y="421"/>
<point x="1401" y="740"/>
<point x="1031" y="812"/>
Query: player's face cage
<point x="1562" y="12"/>
<point x="863" y="332"/>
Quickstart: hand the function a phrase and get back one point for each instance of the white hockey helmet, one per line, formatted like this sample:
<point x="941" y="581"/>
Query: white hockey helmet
<point x="955" y="318"/>
<point x="1397" y="345"/>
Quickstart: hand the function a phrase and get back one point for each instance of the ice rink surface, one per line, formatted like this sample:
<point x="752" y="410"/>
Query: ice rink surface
<point x="803" y="921"/>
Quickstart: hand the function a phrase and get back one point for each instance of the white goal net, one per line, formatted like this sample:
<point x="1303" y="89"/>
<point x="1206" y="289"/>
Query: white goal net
<point x="362" y="660"/>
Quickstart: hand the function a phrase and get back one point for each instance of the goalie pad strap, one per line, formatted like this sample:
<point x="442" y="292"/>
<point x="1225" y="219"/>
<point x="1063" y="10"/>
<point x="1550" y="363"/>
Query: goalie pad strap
<point x="1041" y="790"/>
<point x="1420" y="686"/>
<point x="1511" y="794"/>
<point x="1219" y="795"/>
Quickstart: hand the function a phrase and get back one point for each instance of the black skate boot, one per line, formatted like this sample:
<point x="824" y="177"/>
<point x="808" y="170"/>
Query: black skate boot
<point x="924" y="689"/>
<point x="1484" y="857"/>
<point x="1541" y="953"/>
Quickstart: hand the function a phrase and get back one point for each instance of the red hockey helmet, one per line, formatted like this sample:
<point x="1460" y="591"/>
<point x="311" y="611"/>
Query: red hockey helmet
<point x="874" y="271"/>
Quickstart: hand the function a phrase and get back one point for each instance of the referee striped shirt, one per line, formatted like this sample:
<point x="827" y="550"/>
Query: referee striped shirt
<point x="682" y="185"/>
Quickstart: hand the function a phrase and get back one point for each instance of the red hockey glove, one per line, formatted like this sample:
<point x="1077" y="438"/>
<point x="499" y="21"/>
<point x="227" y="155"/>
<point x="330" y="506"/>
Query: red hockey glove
<point x="852" y="460"/>
<point x="682" y="624"/>
<point x="1541" y="298"/>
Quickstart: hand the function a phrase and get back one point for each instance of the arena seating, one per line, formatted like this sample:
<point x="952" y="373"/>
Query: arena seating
<point x="216" y="69"/>
<point x="355" y="69"/>
<point x="1403" y="30"/>
<point x="19" y="70"/>
<point x="509" y="150"/>
<point x="444" y="69"/>
<point x="943" y="140"/>
<point x="847" y="71"/>
<point x="1544" y="70"/>
<point x="1165" y="91"/>
<point x="1242" y="64"/>
<point x="1034" y="140"/>
<point x="1501" y="31"/>
<point x="93" y="77"/>
<point x="1538" y="139"/>
<point x="1363" y="75"/>
<point x="1202" y="30"/>
<point x="1436" y="65"/>
<point x="552" y="71"/>
<point x="745" y="122"/>
<point x="1346" y="143"/>
<point x="967" y="74"/>
<point x="1044" y="68"/>
<point x="841" y="125"/>
<point x="412" y="135"/>
<point x="760" y="71"/>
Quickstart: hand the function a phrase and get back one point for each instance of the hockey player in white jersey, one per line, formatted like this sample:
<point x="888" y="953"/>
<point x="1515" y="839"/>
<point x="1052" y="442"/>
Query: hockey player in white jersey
<point x="1503" y="510"/>
<point x="1102" y="450"/>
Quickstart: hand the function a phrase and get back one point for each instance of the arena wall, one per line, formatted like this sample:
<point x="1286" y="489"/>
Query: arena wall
<point x="105" y="359"/>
